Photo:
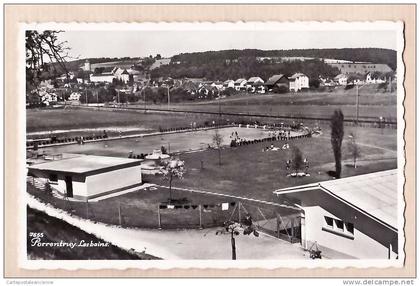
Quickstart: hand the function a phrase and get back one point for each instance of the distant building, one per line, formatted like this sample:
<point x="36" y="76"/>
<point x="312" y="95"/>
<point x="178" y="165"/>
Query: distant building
<point x="277" y="81"/>
<point x="87" y="66"/>
<point x="159" y="63"/>
<point x="86" y="176"/>
<point x="102" y="77"/>
<point x="75" y="96"/>
<point x="370" y="78"/>
<point x="121" y="74"/>
<point x="253" y="82"/>
<point x="228" y="84"/>
<point x="361" y="68"/>
<point x="354" y="217"/>
<point x="240" y="84"/>
<point x="341" y="79"/>
<point x="298" y="81"/>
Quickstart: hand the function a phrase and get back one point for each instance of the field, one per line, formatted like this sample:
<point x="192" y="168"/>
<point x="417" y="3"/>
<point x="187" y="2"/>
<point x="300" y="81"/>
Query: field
<point x="310" y="104"/>
<point x="77" y="118"/>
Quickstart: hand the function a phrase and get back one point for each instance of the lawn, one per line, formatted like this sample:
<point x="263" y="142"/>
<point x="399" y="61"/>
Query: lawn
<point x="310" y="104"/>
<point x="78" y="118"/>
<point x="247" y="171"/>
<point x="55" y="230"/>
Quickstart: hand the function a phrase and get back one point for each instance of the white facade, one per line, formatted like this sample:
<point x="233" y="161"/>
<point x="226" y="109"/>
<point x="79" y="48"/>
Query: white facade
<point x="102" y="78"/>
<point x="229" y="84"/>
<point x="298" y="81"/>
<point x="240" y="84"/>
<point x="353" y="217"/>
<point x="105" y="176"/>
<point x="339" y="237"/>
<point x="341" y="79"/>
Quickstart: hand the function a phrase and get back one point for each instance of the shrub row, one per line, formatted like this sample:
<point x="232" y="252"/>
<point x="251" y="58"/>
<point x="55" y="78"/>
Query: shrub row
<point x="233" y="143"/>
<point x="64" y="140"/>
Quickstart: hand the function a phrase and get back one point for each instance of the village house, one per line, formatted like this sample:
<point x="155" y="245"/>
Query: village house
<point x="341" y="79"/>
<point x="228" y="84"/>
<point x="298" y="81"/>
<point x="240" y="84"/>
<point x="253" y="82"/>
<point x="75" y="96"/>
<point x="121" y="74"/>
<point x="276" y="82"/>
<point x="370" y="78"/>
<point x="354" y="217"/>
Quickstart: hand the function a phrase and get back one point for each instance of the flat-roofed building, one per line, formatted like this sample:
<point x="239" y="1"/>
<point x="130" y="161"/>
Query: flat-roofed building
<point x="86" y="176"/>
<point x="354" y="217"/>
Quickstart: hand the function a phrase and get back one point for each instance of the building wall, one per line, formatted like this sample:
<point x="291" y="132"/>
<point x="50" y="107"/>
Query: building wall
<point x="357" y="245"/>
<point x="104" y="78"/>
<point x="110" y="181"/>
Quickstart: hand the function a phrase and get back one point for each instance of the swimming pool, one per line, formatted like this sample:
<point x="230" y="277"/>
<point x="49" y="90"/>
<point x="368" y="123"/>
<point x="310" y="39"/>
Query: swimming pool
<point x="175" y="142"/>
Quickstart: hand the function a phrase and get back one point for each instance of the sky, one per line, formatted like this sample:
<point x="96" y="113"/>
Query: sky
<point x="95" y="44"/>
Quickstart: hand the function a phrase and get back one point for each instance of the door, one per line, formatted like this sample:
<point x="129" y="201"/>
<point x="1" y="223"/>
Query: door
<point x="69" y="186"/>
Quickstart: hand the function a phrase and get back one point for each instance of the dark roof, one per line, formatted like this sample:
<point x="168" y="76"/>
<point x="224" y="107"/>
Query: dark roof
<point x="275" y="78"/>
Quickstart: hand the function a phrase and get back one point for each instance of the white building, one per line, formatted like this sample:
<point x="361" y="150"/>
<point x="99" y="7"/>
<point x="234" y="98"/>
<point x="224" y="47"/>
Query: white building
<point x="370" y="79"/>
<point x="298" y="81"/>
<point x="341" y="79"/>
<point x="254" y="82"/>
<point x="121" y="74"/>
<point x="103" y="77"/>
<point x="86" y="176"/>
<point x="228" y="84"/>
<point x="240" y="84"/>
<point x="355" y="217"/>
<point x="75" y="96"/>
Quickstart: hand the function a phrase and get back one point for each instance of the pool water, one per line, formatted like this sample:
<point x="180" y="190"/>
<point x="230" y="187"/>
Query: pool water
<point x="176" y="142"/>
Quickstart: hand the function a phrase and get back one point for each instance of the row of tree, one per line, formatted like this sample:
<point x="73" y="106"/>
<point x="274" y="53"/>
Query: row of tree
<point x="245" y="68"/>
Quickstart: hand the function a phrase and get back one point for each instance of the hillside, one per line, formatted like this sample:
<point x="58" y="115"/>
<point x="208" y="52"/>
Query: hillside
<point x="375" y="55"/>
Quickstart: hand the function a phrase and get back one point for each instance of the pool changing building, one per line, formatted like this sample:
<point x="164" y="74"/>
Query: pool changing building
<point x="86" y="176"/>
<point x="354" y="217"/>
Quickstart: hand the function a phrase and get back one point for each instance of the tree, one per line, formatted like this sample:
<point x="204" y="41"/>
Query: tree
<point x="45" y="57"/>
<point x="173" y="168"/>
<point x="217" y="141"/>
<point x="353" y="148"/>
<point x="297" y="159"/>
<point x="234" y="228"/>
<point x="337" y="133"/>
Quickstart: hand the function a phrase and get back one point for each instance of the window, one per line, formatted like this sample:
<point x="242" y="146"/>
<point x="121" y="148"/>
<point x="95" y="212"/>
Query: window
<point x="350" y="227"/>
<point x="338" y="227"/>
<point x="53" y="178"/>
<point x="329" y="221"/>
<point x="339" y="224"/>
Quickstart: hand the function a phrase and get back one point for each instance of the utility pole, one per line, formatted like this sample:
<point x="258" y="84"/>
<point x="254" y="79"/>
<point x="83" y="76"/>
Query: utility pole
<point x="118" y="97"/>
<point x="357" y="105"/>
<point x="169" y="98"/>
<point x="86" y="100"/>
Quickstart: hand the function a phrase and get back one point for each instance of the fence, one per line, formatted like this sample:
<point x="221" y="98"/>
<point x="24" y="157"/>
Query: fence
<point x="211" y="210"/>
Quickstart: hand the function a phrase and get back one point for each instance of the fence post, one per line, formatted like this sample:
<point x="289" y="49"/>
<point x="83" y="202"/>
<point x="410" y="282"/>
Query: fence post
<point x="159" y="219"/>
<point x="278" y="226"/>
<point x="293" y="227"/>
<point x="119" y="213"/>
<point x="201" y="221"/>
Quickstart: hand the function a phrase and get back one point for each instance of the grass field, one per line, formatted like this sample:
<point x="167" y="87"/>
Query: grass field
<point x="311" y="104"/>
<point x="78" y="118"/>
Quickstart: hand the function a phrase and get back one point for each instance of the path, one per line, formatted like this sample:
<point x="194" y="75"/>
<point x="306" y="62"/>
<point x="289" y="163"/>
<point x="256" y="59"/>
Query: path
<point x="180" y="244"/>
